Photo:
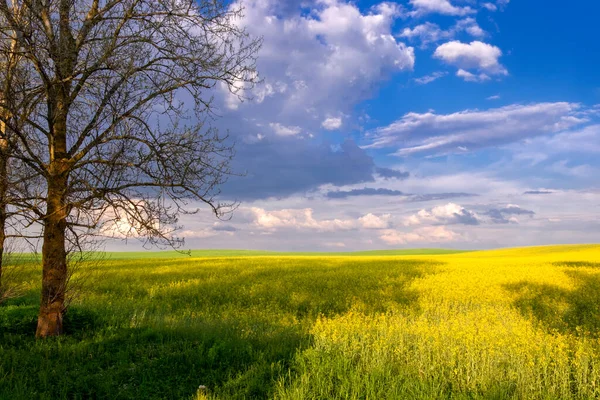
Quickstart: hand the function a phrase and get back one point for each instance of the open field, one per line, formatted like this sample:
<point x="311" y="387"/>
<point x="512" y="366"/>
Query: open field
<point x="515" y="323"/>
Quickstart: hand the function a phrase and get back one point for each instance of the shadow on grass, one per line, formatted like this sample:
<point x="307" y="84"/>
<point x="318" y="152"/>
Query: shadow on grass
<point x="95" y="361"/>
<point x="569" y="311"/>
<point x="241" y="339"/>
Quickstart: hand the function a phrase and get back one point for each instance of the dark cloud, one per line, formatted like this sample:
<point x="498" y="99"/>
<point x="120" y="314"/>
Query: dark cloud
<point x="388" y="173"/>
<point x="364" y="192"/>
<point x="515" y="210"/>
<point x="500" y="215"/>
<point x="438" y="196"/>
<point x="280" y="168"/>
<point x="278" y="130"/>
<point x="538" y="192"/>
<point x="465" y="217"/>
<point x="389" y="192"/>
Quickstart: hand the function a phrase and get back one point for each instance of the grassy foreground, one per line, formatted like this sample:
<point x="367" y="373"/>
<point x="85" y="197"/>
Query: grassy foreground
<point x="517" y="323"/>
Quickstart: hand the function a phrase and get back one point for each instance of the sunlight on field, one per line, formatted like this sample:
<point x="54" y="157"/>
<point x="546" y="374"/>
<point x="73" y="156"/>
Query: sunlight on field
<point x="516" y="323"/>
<point x="502" y="324"/>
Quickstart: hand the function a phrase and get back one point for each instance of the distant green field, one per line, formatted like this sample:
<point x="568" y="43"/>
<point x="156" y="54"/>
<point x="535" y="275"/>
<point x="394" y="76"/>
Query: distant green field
<point x="255" y="253"/>
<point x="414" y="324"/>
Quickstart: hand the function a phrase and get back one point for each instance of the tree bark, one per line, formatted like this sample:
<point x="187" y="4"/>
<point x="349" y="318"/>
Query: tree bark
<point x="54" y="260"/>
<point x="3" y="190"/>
<point x="54" y="254"/>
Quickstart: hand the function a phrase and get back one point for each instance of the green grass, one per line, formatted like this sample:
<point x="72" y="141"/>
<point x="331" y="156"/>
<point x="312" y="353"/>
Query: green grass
<point x="157" y="328"/>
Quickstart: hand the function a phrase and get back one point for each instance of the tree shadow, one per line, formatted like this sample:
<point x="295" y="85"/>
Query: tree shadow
<point x="237" y="336"/>
<point x="573" y="311"/>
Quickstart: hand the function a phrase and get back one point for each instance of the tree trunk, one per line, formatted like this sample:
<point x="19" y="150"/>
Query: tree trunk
<point x="3" y="190"/>
<point x="54" y="254"/>
<point x="54" y="261"/>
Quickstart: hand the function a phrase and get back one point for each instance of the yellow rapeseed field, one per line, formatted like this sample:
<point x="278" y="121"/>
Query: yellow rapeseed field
<point x="518" y="323"/>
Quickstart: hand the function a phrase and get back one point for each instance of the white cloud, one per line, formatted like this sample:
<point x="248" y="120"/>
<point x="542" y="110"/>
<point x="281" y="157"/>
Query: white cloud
<point x="332" y="124"/>
<point x="429" y="32"/>
<point x="469" y="77"/>
<point x="471" y="129"/>
<point x="335" y="244"/>
<point x="371" y="221"/>
<point x="489" y="6"/>
<point x="424" y="80"/>
<point x="304" y="219"/>
<point x="470" y="26"/>
<point x="321" y="62"/>
<point x="422" y="7"/>
<point x="283" y="130"/>
<point x="475" y="55"/>
<point x="298" y="219"/>
<point x="427" y="234"/>
<point x="494" y="97"/>
<point x="450" y="213"/>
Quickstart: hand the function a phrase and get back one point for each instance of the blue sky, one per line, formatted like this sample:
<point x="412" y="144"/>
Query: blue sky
<point x="417" y="123"/>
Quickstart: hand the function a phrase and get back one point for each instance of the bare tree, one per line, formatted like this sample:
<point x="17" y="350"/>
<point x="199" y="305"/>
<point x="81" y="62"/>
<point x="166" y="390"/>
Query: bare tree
<point x="11" y="178"/>
<point x="115" y="116"/>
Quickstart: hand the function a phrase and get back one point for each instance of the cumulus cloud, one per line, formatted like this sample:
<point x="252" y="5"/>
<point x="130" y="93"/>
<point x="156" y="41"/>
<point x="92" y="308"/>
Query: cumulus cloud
<point x="304" y="219"/>
<point x="371" y="221"/>
<point x="322" y="61"/>
<point x="454" y="214"/>
<point x="298" y="219"/>
<point x="470" y="26"/>
<point x="332" y="124"/>
<point x="476" y="55"/>
<point x="469" y="77"/>
<point x="448" y="214"/>
<point x="473" y="129"/>
<point x="428" y="32"/>
<point x="283" y="130"/>
<point x="427" y="234"/>
<point x="319" y="59"/>
<point x="422" y="7"/>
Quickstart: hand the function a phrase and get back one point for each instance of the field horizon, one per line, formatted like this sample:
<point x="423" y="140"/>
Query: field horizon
<point x="377" y="252"/>
<point x="194" y="253"/>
